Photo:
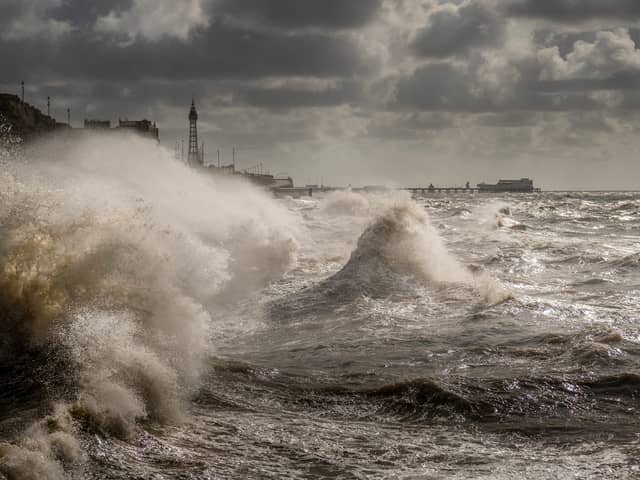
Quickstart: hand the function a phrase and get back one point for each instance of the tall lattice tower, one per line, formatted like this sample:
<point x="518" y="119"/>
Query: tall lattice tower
<point x="194" y="153"/>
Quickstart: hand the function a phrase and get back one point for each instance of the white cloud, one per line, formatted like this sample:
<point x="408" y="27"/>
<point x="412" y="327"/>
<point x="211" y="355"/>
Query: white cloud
<point x="611" y="52"/>
<point x="498" y="76"/>
<point x="155" y="19"/>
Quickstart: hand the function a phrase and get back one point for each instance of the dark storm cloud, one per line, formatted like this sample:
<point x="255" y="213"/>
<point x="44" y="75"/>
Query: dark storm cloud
<point x="437" y="86"/>
<point x="287" y="97"/>
<point x="85" y="13"/>
<point x="443" y="87"/>
<point x="303" y="13"/>
<point x="454" y="32"/>
<point x="565" y="41"/>
<point x="113" y="97"/>
<point x="623" y="80"/>
<point x="9" y="11"/>
<point x="78" y="13"/>
<point x="283" y="64"/>
<point x="576" y="10"/>
<point x="221" y="51"/>
<point x="224" y="64"/>
<point x="20" y="19"/>
<point x="110" y="98"/>
<point x="409" y="126"/>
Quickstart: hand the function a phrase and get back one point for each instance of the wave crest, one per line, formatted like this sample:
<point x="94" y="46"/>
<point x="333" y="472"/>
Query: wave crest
<point x="111" y="259"/>
<point x="346" y="202"/>
<point x="402" y="240"/>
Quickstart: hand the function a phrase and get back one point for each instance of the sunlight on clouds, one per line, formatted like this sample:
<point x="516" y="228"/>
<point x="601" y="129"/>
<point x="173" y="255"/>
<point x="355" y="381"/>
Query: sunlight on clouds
<point x="155" y="19"/>
<point x="611" y="52"/>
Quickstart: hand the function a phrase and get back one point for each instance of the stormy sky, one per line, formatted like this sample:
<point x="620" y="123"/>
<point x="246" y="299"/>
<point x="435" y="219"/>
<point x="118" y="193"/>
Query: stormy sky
<point x="353" y="91"/>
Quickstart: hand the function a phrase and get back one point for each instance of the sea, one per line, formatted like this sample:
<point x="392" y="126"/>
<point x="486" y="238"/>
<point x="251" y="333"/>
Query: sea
<point x="158" y="322"/>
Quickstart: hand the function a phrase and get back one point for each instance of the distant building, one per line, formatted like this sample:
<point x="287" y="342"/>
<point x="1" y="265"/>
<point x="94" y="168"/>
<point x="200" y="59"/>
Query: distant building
<point x="97" y="124"/>
<point x="196" y="159"/>
<point x="283" y="182"/>
<point x="524" y="185"/>
<point x="28" y="122"/>
<point x="146" y="128"/>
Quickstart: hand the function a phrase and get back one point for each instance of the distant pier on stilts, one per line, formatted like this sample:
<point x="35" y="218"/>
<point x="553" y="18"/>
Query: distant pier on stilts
<point x="523" y="185"/>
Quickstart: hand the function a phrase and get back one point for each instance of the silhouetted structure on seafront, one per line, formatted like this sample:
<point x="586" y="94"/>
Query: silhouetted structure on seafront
<point x="145" y="128"/>
<point x="194" y="156"/>
<point x="28" y="122"/>
<point x="524" y="185"/>
<point x="256" y="175"/>
<point x="25" y="120"/>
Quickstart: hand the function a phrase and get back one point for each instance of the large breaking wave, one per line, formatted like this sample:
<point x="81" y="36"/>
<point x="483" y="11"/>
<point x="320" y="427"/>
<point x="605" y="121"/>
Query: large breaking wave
<point x="112" y="255"/>
<point x="398" y="248"/>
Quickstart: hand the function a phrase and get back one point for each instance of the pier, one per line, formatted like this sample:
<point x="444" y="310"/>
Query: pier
<point x="432" y="189"/>
<point x="295" y="192"/>
<point x="463" y="190"/>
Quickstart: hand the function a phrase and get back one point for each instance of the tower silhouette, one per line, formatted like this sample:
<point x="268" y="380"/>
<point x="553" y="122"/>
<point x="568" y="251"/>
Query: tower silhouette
<point x="193" y="157"/>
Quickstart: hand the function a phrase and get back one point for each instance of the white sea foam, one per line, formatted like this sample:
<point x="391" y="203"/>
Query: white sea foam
<point x="113" y="254"/>
<point x="346" y="202"/>
<point x="403" y="238"/>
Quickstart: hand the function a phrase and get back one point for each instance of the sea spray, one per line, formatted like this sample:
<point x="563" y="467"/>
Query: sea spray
<point x="346" y="202"/>
<point x="113" y="255"/>
<point x="400" y="238"/>
<point x="492" y="215"/>
<point x="43" y="449"/>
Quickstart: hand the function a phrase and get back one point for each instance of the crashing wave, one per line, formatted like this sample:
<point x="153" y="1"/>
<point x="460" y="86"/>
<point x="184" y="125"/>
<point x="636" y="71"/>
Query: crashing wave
<point x="346" y="202"/>
<point x="111" y="257"/>
<point x="399" y="246"/>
